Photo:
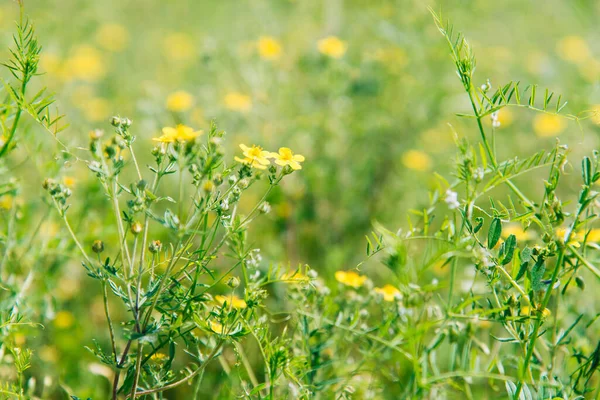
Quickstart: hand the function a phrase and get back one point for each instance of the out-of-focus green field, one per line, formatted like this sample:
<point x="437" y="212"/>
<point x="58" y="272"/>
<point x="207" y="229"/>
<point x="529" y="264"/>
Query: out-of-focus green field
<point x="373" y="109"/>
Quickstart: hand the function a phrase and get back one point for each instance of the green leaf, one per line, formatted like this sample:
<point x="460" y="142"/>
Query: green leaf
<point x="509" y="249"/>
<point x="537" y="275"/>
<point x="494" y="233"/>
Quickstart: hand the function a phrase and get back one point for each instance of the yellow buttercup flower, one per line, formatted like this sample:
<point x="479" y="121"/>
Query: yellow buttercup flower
<point x="179" y="101"/>
<point x="180" y="133"/>
<point x="389" y="292"/>
<point x="254" y="156"/>
<point x="286" y="157"/>
<point x="238" y="102"/>
<point x="269" y="48"/>
<point x="332" y="46"/>
<point x="231" y="300"/>
<point x="547" y="125"/>
<point x="350" y="278"/>
<point x="416" y="160"/>
<point x="574" y="49"/>
<point x="112" y="37"/>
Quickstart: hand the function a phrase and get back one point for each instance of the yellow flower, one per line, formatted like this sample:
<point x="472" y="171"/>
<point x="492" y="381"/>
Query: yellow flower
<point x="231" y="300"/>
<point x="86" y="64"/>
<point x="69" y="181"/>
<point x="179" y="101"/>
<point x="180" y="133"/>
<point x="592" y="236"/>
<point x="286" y="157"/>
<point x="546" y="313"/>
<point x="416" y="160"/>
<point x="112" y="37"/>
<point x="546" y="125"/>
<point x="596" y="114"/>
<point x="158" y="357"/>
<point x="389" y="292"/>
<point x="6" y="202"/>
<point x="332" y="46"/>
<point x="216" y="327"/>
<point x="517" y="230"/>
<point x="96" y="109"/>
<point x="64" y="319"/>
<point x="350" y="278"/>
<point x="254" y="156"/>
<point x="294" y="276"/>
<point x="269" y="48"/>
<point x="574" y="49"/>
<point x="179" y="46"/>
<point x="238" y="102"/>
<point x="573" y="240"/>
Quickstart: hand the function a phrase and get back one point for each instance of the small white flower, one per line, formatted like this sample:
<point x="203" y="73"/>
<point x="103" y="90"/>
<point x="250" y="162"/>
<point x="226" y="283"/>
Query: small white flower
<point x="452" y="199"/>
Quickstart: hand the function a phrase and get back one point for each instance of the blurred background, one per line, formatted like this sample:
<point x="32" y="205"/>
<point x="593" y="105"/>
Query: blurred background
<point x="365" y="90"/>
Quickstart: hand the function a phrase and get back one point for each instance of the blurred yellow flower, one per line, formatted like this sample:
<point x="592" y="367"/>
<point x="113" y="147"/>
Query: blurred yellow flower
<point x="86" y="63"/>
<point x="112" y="37"/>
<point x="573" y="49"/>
<point x="69" y="181"/>
<point x="238" y="102"/>
<point x="180" y="133"/>
<point x="63" y="319"/>
<point x="269" y="48"/>
<point x="517" y="230"/>
<point x="389" y="292"/>
<point x="547" y="125"/>
<point x="294" y="276"/>
<point x="350" y="278"/>
<point x="179" y="101"/>
<point x="332" y="46"/>
<point x="179" y="46"/>
<point x="231" y="300"/>
<point x="505" y="116"/>
<point x="50" y="63"/>
<point x="573" y="240"/>
<point x="593" y="235"/>
<point x="158" y="357"/>
<point x="590" y="70"/>
<point x="596" y="113"/>
<point x="96" y="109"/>
<point x="286" y="157"/>
<point x="254" y="156"/>
<point x="216" y="327"/>
<point x="6" y="202"/>
<point x="416" y="160"/>
<point x="546" y="313"/>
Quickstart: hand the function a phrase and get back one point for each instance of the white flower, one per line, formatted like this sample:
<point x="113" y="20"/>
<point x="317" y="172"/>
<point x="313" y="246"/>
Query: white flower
<point x="452" y="199"/>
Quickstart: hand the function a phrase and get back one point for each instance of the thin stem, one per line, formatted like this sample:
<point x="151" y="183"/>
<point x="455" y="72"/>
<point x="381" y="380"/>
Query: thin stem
<point x="187" y="378"/>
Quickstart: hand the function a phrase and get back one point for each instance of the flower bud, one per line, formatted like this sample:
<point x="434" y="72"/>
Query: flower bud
<point x="136" y="228"/>
<point x="98" y="246"/>
<point x="96" y="134"/>
<point x="233" y="282"/>
<point x="155" y="246"/>
<point x="208" y="186"/>
<point x="115" y="121"/>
